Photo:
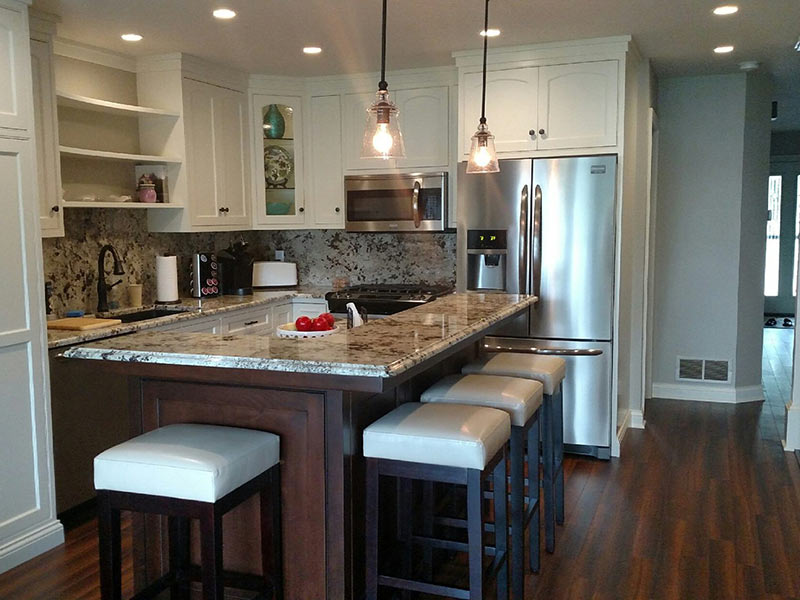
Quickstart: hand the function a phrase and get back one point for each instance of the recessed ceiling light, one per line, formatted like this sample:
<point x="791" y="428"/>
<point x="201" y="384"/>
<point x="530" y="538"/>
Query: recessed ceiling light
<point x="490" y="32"/>
<point x="224" y="13"/>
<point x="723" y="49"/>
<point x="131" y="37"/>
<point x="312" y="49"/>
<point x="726" y="9"/>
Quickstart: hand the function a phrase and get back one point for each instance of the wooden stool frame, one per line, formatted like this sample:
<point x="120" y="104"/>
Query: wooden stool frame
<point x="553" y="465"/>
<point x="179" y="511"/>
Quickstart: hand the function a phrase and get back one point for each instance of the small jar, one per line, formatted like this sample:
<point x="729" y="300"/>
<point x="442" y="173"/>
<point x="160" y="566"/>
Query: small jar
<point x="147" y="193"/>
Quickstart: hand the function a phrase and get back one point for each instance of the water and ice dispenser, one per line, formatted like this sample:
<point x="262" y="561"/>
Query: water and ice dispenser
<point x="487" y="255"/>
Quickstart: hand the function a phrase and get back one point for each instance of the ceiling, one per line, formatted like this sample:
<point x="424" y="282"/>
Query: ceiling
<point x="267" y="36"/>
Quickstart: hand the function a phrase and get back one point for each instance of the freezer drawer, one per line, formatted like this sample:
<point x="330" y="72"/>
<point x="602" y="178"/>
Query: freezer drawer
<point x="587" y="388"/>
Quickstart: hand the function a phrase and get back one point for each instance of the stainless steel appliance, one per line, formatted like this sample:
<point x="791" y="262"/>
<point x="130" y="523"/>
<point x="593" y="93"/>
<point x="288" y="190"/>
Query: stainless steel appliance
<point x="384" y="299"/>
<point x="396" y="202"/>
<point x="205" y="279"/>
<point x="551" y="221"/>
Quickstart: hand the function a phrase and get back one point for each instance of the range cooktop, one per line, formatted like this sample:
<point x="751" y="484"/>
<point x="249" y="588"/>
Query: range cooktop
<point x="384" y="299"/>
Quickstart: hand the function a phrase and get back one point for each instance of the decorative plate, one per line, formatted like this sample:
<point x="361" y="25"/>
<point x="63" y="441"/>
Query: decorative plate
<point x="290" y="331"/>
<point x="278" y="165"/>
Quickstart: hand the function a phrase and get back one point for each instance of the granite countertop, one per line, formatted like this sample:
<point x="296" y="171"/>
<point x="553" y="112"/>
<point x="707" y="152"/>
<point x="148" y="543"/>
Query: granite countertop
<point x="381" y="348"/>
<point x="187" y="309"/>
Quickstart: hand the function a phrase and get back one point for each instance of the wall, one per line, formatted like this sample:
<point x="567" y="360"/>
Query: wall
<point x="707" y="219"/>
<point x="71" y="262"/>
<point x="785" y="143"/>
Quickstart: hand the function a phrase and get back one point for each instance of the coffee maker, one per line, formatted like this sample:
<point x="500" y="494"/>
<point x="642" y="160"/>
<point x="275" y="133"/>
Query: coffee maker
<point x="236" y="269"/>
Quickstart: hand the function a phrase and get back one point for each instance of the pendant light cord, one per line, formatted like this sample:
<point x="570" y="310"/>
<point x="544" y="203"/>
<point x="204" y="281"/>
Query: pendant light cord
<point x="485" y="50"/>
<point x="382" y="85"/>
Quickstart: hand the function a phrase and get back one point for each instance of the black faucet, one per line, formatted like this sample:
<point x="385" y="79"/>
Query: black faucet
<point x="102" y="286"/>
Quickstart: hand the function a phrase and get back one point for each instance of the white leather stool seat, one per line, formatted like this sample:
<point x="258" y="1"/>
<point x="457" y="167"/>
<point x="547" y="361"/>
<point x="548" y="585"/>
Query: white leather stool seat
<point x="192" y="462"/>
<point x="520" y="398"/>
<point x="549" y="370"/>
<point x="451" y="435"/>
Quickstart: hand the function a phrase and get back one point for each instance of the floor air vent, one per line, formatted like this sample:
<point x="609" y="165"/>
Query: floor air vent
<point x="699" y="369"/>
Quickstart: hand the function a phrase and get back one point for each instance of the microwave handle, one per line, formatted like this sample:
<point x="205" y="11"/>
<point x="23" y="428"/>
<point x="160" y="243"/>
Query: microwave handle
<point x="415" y="205"/>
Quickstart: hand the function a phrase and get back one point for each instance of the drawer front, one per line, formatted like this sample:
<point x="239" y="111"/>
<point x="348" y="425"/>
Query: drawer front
<point x="256" y="321"/>
<point x="308" y="309"/>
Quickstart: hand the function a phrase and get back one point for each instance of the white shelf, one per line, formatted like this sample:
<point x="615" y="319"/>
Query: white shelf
<point x="82" y="204"/>
<point x="106" y="106"/>
<point x="105" y="155"/>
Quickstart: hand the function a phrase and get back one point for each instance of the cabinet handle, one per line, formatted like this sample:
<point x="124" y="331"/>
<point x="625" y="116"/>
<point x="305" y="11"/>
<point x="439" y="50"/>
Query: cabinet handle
<point x="532" y="133"/>
<point x="541" y="132"/>
<point x="56" y="208"/>
<point x="337" y="209"/>
<point x="301" y="209"/>
<point x="223" y="209"/>
<point x="249" y="323"/>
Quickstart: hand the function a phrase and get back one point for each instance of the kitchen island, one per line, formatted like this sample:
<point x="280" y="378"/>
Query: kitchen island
<point x="318" y="395"/>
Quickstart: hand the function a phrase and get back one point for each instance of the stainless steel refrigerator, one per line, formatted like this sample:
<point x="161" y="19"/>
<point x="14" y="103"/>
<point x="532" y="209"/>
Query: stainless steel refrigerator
<point x="547" y="227"/>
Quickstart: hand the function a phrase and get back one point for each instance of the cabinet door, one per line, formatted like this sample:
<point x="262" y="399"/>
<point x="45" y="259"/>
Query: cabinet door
<point x="282" y="314"/>
<point x="355" y="121"/>
<point x="215" y="151"/>
<point x="578" y="105"/>
<point x="425" y="123"/>
<point x="308" y="308"/>
<point x="326" y="190"/>
<point x="278" y="160"/>
<point x="14" y="70"/>
<point x="510" y="108"/>
<point x="48" y="165"/>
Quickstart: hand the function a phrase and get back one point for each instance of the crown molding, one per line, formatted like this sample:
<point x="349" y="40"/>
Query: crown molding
<point x="93" y="54"/>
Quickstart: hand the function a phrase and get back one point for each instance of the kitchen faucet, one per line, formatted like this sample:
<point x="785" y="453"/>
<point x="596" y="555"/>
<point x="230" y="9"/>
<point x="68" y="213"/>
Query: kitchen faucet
<point x="102" y="286"/>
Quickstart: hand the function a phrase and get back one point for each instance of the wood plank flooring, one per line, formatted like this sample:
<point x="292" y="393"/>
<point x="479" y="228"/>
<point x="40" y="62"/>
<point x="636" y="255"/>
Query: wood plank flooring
<point x="704" y="504"/>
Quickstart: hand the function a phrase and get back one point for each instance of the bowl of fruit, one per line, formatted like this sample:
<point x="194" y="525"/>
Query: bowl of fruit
<point x="306" y="327"/>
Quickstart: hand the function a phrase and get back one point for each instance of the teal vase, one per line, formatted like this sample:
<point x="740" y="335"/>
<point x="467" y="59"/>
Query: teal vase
<point x="274" y="125"/>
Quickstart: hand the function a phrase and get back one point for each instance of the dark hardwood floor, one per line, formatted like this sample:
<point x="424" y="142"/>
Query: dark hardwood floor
<point x="703" y="504"/>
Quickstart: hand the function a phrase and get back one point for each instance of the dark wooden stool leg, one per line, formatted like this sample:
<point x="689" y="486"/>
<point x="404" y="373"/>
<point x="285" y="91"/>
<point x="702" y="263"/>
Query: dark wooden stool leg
<point x="533" y="495"/>
<point x="109" y="543"/>
<point x="211" y="554"/>
<point x="475" y="533"/>
<point x="547" y="471"/>
<point x="179" y="556"/>
<point x="271" y="537"/>
<point x="501" y="530"/>
<point x="558" y="451"/>
<point x="429" y="509"/>
<point x="405" y="499"/>
<point x="371" y="525"/>
<point x="517" y="514"/>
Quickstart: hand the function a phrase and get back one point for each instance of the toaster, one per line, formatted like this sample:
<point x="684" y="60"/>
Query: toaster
<point x="274" y="274"/>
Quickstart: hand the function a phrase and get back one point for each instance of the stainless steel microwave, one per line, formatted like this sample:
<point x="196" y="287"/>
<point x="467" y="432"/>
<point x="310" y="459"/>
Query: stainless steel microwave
<point x="396" y="202"/>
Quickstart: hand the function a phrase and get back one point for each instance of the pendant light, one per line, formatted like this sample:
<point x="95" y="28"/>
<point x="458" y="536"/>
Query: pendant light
<point x="482" y="155"/>
<point x="382" y="136"/>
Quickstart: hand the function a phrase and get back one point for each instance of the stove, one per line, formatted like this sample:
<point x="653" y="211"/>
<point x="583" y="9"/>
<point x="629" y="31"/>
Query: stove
<point x="384" y="299"/>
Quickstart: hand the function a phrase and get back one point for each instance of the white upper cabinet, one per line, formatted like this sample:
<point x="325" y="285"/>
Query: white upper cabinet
<point x="531" y="109"/>
<point x="578" y="105"/>
<point x="510" y="108"/>
<point x="326" y="184"/>
<point x="51" y="215"/>
<point x="424" y="121"/>
<point x="14" y="68"/>
<point x="215" y="121"/>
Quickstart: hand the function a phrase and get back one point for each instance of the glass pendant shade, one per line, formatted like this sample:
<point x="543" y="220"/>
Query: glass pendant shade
<point x="382" y="135"/>
<point x="482" y="155"/>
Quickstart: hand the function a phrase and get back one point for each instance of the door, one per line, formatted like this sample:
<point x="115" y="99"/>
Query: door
<point x="510" y="108"/>
<point x="783" y="228"/>
<point x="14" y="70"/>
<point x="578" y="105"/>
<point x="425" y="124"/>
<point x="576" y="287"/>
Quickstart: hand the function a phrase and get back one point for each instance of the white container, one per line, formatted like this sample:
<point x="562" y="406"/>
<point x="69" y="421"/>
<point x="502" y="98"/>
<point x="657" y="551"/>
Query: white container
<point x="268" y="273"/>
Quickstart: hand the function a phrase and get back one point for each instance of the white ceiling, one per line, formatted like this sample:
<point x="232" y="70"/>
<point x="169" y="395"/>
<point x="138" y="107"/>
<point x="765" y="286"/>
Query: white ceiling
<point x="267" y="35"/>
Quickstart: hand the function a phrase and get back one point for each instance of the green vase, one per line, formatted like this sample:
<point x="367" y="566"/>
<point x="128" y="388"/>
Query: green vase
<point x="274" y="125"/>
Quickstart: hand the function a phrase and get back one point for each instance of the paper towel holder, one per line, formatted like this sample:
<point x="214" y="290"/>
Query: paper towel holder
<point x="171" y="282"/>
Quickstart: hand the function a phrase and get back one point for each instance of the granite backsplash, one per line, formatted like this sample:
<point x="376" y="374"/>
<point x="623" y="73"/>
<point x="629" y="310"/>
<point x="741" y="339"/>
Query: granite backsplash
<point x="70" y="263"/>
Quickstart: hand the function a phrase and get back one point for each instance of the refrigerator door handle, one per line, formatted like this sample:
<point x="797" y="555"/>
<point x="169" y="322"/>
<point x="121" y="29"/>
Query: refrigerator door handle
<point x="524" y="251"/>
<point x="537" y="243"/>
<point x="489" y="347"/>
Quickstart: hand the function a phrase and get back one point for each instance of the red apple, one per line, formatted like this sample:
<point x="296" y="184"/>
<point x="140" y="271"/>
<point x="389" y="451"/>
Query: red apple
<point x="304" y="324"/>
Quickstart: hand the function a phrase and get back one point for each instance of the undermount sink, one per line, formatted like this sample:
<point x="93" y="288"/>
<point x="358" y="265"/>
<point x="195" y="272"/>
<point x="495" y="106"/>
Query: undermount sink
<point x="144" y="315"/>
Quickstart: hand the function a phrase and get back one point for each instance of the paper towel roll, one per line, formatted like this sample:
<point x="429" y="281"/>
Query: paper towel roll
<point x="166" y="278"/>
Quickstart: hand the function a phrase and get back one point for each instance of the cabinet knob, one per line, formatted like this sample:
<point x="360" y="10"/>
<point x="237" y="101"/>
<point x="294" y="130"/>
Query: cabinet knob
<point x="532" y="133"/>
<point x="224" y="209"/>
<point x="301" y="209"/>
<point x="541" y="132"/>
<point x="337" y="209"/>
<point x="56" y="208"/>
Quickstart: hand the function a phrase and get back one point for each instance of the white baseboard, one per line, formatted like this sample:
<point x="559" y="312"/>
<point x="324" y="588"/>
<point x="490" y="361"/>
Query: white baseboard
<point x="708" y="392"/>
<point x="637" y="419"/>
<point x="31" y="543"/>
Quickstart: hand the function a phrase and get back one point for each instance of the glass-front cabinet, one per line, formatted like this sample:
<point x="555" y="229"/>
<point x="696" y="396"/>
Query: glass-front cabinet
<point x="278" y="160"/>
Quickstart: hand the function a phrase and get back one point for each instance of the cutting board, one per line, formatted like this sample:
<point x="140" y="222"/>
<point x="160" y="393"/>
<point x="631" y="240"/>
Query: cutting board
<point x="82" y="323"/>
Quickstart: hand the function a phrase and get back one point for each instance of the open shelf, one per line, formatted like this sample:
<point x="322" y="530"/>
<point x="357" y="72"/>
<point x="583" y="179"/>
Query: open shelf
<point x="82" y="204"/>
<point x="106" y="106"/>
<point x="105" y="155"/>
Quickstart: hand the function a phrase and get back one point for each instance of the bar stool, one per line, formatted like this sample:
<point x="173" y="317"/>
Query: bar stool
<point x="521" y="399"/>
<point x="191" y="472"/>
<point x="440" y="443"/>
<point x="550" y="371"/>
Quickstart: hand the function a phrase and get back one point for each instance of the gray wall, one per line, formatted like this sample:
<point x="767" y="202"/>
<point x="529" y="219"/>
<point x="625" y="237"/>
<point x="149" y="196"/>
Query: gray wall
<point x="709" y="216"/>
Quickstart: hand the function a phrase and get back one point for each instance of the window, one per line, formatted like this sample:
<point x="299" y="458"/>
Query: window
<point x="773" y="257"/>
